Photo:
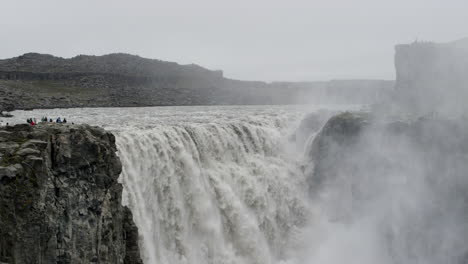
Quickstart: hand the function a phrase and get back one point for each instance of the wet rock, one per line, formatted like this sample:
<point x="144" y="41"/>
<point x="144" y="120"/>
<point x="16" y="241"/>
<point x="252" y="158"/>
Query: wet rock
<point x="8" y="145"/>
<point x="131" y="232"/>
<point x="331" y="145"/>
<point x="4" y="133"/>
<point x="410" y="175"/>
<point x="10" y="171"/>
<point x="27" y="151"/>
<point x="40" y="144"/>
<point x="60" y="201"/>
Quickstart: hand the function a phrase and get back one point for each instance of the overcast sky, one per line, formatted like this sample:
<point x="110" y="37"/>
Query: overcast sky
<point x="265" y="40"/>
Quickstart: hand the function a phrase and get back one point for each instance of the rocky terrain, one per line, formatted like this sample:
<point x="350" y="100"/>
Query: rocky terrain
<point x="44" y="81"/>
<point x="60" y="201"/>
<point x="352" y="142"/>
<point x="407" y="178"/>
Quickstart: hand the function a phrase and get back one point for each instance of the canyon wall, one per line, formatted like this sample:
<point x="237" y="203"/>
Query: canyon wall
<point x="399" y="187"/>
<point x="60" y="201"/>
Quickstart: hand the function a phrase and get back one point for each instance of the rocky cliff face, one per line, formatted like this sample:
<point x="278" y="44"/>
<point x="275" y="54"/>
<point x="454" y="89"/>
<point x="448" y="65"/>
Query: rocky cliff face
<point x="403" y="181"/>
<point x="332" y="146"/>
<point x="60" y="201"/>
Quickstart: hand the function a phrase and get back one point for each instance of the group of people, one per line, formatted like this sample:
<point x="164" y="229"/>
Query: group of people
<point x="32" y="121"/>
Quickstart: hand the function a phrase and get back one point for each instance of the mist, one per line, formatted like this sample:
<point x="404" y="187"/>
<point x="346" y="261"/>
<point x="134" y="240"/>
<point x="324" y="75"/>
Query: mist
<point x="389" y="185"/>
<point x="431" y="77"/>
<point x="247" y="132"/>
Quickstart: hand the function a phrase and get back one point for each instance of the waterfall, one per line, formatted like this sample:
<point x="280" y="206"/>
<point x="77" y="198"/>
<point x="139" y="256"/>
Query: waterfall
<point x="216" y="184"/>
<point x="228" y="185"/>
<point x="227" y="192"/>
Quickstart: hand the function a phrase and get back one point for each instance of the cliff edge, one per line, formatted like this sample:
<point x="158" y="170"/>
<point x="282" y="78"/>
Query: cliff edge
<point x="60" y="201"/>
<point x="402" y="181"/>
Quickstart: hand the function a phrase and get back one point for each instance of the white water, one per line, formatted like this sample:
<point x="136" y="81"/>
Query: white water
<point x="226" y="185"/>
<point x="212" y="193"/>
<point x="209" y="184"/>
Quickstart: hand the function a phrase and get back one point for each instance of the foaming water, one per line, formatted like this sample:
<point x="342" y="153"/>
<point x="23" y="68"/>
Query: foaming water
<point x="209" y="184"/>
<point x="229" y="185"/>
<point x="217" y="188"/>
<point x="140" y="118"/>
<point x="214" y="193"/>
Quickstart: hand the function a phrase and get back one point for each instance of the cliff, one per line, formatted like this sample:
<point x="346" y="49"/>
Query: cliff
<point x="60" y="201"/>
<point x="350" y="143"/>
<point x="432" y="76"/>
<point x="37" y="80"/>
<point x="40" y="80"/>
<point x="403" y="181"/>
<point x="332" y="147"/>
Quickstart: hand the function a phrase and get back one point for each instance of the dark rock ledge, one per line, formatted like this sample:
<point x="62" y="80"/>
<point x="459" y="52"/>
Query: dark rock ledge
<point x="60" y="201"/>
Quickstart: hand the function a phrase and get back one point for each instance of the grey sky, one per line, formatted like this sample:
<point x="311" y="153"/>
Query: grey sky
<point x="249" y="39"/>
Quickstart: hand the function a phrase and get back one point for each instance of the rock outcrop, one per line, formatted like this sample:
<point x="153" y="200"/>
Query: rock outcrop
<point x="332" y="146"/>
<point x="351" y="143"/>
<point x="60" y="201"/>
<point x="404" y="181"/>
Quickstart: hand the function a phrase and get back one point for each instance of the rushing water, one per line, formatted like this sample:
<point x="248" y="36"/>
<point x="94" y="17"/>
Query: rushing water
<point x="228" y="185"/>
<point x="208" y="184"/>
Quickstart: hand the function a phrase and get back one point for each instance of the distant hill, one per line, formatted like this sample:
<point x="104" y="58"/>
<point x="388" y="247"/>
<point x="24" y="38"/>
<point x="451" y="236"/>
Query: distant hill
<point x="37" y="80"/>
<point x="117" y="63"/>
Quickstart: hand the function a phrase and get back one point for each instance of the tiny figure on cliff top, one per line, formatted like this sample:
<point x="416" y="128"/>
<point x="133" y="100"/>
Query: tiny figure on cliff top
<point x="31" y="121"/>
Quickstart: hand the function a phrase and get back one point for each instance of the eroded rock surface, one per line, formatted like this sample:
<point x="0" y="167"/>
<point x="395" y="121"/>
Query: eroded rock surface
<point x="402" y="180"/>
<point x="60" y="201"/>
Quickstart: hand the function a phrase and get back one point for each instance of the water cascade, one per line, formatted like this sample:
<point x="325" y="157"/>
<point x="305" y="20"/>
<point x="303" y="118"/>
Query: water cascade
<point x="213" y="192"/>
